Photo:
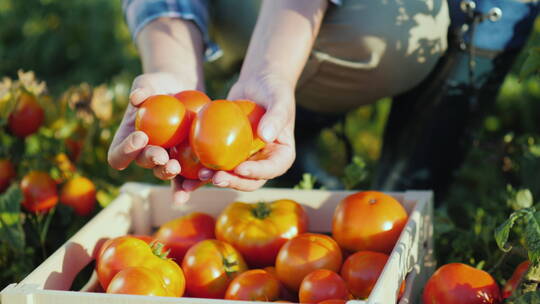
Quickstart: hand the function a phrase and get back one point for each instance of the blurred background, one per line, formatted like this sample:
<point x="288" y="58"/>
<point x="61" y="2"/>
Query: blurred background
<point x="78" y="59"/>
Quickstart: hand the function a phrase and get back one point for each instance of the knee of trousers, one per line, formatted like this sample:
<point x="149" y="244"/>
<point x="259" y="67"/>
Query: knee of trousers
<point x="367" y="50"/>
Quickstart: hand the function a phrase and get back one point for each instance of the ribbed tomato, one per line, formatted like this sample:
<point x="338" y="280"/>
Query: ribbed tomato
<point x="210" y="266"/>
<point x="80" y="194"/>
<point x="368" y="220"/>
<point x="254" y="113"/>
<point x="182" y="233"/>
<point x="514" y="280"/>
<point x="127" y="251"/>
<point x="259" y="230"/>
<point x="39" y="191"/>
<point x="305" y="253"/>
<point x="27" y="116"/>
<point x="221" y="135"/>
<point x="460" y="283"/>
<point x="253" y="285"/>
<point x="7" y="174"/>
<point x="322" y="284"/>
<point x="161" y="118"/>
<point x="138" y="281"/>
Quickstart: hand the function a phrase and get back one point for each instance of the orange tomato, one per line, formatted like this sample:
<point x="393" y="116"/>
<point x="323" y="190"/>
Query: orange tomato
<point x="259" y="230"/>
<point x="80" y="194"/>
<point x="305" y="253"/>
<point x="320" y="285"/>
<point x="254" y="112"/>
<point x="7" y="174"/>
<point x="368" y="220"/>
<point x="362" y="270"/>
<point x="460" y="283"/>
<point x="161" y="117"/>
<point x="514" y="280"/>
<point x="193" y="100"/>
<point x="210" y="266"/>
<point x="39" y="191"/>
<point x="334" y="301"/>
<point x="138" y="281"/>
<point x="189" y="162"/>
<point x="27" y="116"/>
<point x="128" y="251"/>
<point x="221" y="135"/>
<point x="253" y="285"/>
<point x="182" y="233"/>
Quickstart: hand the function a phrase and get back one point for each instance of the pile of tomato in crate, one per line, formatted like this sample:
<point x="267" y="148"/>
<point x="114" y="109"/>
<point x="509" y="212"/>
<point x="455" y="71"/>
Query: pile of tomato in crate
<point x="259" y="252"/>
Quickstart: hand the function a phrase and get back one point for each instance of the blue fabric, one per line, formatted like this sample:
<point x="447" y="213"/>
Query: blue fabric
<point x="510" y="32"/>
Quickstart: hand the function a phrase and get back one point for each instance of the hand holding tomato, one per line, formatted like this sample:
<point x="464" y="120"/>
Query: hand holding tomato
<point x="276" y="129"/>
<point x="130" y="145"/>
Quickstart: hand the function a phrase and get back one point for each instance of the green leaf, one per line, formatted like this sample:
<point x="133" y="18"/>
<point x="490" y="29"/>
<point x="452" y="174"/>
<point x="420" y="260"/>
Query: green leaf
<point x="11" y="229"/>
<point x="531" y="64"/>
<point x="527" y="298"/>
<point x="307" y="182"/>
<point x="503" y="231"/>
<point x="532" y="236"/>
<point x="523" y="199"/>
<point x="355" y="172"/>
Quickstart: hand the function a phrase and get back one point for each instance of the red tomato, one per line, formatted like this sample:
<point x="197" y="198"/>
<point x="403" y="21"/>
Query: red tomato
<point x="334" y="301"/>
<point x="210" y="266"/>
<point x="254" y="113"/>
<point x="362" y="270"/>
<point x="39" y="191"/>
<point x="322" y="284"/>
<point x="368" y="220"/>
<point x="303" y="254"/>
<point x="189" y="162"/>
<point x="80" y="194"/>
<point x="161" y="117"/>
<point x="193" y="100"/>
<point x="259" y="230"/>
<point x="182" y="233"/>
<point x="460" y="283"/>
<point x="221" y="135"/>
<point x="27" y="116"/>
<point x="127" y="251"/>
<point x="514" y="280"/>
<point x="7" y="174"/>
<point x="138" y="281"/>
<point x="253" y="285"/>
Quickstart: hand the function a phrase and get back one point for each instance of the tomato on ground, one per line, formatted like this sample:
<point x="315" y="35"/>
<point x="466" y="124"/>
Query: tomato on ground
<point x="80" y="194"/>
<point x="162" y="119"/>
<point x="320" y="285"/>
<point x="138" y="281"/>
<point x="514" y="280"/>
<point x="460" y="283"/>
<point x="305" y="253"/>
<point x="127" y="251"/>
<point x="182" y="233"/>
<point x="259" y="230"/>
<point x="7" y="174"/>
<point x="253" y="285"/>
<point x="368" y="220"/>
<point x="39" y="191"/>
<point x="221" y="135"/>
<point x="210" y="266"/>
<point x="27" y="117"/>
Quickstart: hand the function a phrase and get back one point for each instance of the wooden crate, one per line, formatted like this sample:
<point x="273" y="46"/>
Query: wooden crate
<point x="140" y="208"/>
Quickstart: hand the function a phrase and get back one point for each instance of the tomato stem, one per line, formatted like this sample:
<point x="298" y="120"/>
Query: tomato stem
<point x="230" y="267"/>
<point x="261" y="210"/>
<point x="157" y="249"/>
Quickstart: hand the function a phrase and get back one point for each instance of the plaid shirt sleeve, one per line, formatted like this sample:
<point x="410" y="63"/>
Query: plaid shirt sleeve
<point x="139" y="13"/>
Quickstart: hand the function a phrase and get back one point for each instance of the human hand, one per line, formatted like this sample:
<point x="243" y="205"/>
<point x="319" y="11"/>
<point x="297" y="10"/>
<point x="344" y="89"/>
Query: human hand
<point x="130" y="145"/>
<point x="276" y="128"/>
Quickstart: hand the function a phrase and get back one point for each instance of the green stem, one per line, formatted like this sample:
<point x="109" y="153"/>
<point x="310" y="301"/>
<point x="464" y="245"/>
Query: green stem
<point x="531" y="279"/>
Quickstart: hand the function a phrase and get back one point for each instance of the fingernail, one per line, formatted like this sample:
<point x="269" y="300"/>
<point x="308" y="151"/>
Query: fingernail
<point x="138" y="140"/>
<point x="268" y="133"/>
<point x="159" y="159"/>
<point x="172" y="169"/>
<point x="222" y="184"/>
<point x="134" y="92"/>
<point x="205" y="174"/>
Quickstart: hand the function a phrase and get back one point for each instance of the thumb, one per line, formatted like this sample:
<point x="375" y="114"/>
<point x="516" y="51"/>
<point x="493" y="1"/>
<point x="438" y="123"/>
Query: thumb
<point x="278" y="114"/>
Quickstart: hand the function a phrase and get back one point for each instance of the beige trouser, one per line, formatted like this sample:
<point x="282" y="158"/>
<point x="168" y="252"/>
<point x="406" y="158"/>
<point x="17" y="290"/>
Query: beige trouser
<point x="365" y="49"/>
